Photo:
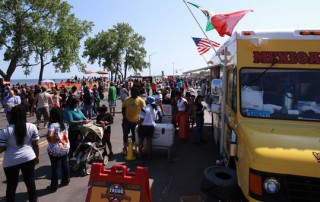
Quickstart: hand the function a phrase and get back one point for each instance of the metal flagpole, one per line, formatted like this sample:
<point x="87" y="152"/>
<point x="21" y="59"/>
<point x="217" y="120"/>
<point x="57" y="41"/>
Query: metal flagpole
<point x="202" y="30"/>
<point x="205" y="60"/>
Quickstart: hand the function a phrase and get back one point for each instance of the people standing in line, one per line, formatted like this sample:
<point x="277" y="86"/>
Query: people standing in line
<point x="148" y="85"/>
<point x="76" y="119"/>
<point x="174" y="109"/>
<point x="101" y="90"/>
<point x="63" y="95"/>
<point x="30" y="101"/>
<point x="124" y="93"/>
<point x="56" y="99"/>
<point x="9" y="102"/>
<point x="182" y="116"/>
<point x="131" y="108"/>
<point x="88" y="103"/>
<point x="147" y="118"/>
<point x="198" y="109"/>
<point x="158" y="100"/>
<point x="154" y="87"/>
<point x="19" y="141"/>
<point x="58" y="149"/>
<point x="112" y="98"/>
<point x="105" y="119"/>
<point x="23" y="96"/>
<point x="43" y="100"/>
<point x="191" y="102"/>
<point x="96" y="100"/>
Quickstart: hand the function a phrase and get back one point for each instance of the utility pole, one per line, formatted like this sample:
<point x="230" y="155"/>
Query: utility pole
<point x="150" y="63"/>
<point x="172" y="68"/>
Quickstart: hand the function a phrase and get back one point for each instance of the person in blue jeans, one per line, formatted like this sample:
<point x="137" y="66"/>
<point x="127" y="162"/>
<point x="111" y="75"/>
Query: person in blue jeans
<point x="58" y="149"/>
<point x="19" y="142"/>
<point x="88" y="102"/>
<point x="198" y="109"/>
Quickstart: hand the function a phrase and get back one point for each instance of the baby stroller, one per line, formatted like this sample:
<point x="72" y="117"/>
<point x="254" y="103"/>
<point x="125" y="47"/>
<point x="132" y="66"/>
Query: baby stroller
<point x="89" y="150"/>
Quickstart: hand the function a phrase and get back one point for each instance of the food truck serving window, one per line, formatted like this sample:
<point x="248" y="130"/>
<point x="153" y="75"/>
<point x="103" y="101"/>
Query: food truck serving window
<point x="291" y="94"/>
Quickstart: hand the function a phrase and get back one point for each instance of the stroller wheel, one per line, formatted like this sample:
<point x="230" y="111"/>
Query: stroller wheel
<point x="105" y="160"/>
<point x="87" y="169"/>
<point x="75" y="167"/>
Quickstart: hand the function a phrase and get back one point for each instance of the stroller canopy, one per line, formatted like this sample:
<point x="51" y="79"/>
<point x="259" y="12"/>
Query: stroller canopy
<point x="90" y="131"/>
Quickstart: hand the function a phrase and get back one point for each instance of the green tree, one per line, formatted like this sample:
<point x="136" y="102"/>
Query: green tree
<point x="117" y="47"/>
<point x="44" y="29"/>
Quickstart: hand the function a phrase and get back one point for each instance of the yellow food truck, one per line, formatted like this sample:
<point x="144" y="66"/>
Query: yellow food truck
<point x="266" y="105"/>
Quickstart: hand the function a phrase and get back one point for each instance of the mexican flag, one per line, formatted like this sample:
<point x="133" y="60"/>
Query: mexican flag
<point x="225" y="23"/>
<point x="207" y="13"/>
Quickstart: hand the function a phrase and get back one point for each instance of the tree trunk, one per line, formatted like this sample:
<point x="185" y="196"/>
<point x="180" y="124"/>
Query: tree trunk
<point x="125" y="69"/>
<point x="12" y="67"/>
<point x="41" y="69"/>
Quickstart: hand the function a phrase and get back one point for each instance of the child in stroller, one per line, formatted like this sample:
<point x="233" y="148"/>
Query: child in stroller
<point x="104" y="119"/>
<point x="89" y="150"/>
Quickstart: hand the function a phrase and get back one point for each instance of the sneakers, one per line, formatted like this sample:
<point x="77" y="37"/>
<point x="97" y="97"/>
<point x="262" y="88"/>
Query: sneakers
<point x="52" y="189"/>
<point x="124" y="151"/>
<point x="66" y="183"/>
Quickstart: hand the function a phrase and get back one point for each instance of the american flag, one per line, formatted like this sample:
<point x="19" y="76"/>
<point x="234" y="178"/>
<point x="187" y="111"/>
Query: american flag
<point x="203" y="45"/>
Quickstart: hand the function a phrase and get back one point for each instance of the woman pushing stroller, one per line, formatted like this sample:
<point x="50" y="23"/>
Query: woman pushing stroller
<point x="105" y="119"/>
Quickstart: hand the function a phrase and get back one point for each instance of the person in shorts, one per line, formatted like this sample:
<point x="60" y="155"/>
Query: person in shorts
<point x="43" y="100"/>
<point x="131" y="108"/>
<point x="147" y="118"/>
<point x="112" y="98"/>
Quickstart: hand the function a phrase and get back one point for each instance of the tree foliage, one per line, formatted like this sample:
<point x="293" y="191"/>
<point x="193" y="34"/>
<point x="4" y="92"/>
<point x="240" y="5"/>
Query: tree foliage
<point x="117" y="49"/>
<point x="43" y="29"/>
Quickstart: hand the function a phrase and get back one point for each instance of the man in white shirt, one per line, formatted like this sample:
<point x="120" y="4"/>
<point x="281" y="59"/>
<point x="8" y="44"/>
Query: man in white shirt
<point x="42" y="101"/>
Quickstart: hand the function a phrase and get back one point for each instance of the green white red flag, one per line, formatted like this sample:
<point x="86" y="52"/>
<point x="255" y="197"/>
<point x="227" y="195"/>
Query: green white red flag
<point x="225" y="23"/>
<point x="207" y="13"/>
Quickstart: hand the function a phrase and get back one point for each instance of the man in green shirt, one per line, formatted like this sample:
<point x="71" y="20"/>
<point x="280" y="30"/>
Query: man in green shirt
<point x="112" y="98"/>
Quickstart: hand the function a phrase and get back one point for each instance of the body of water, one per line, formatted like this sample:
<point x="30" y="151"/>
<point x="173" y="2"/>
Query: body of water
<point x="30" y="81"/>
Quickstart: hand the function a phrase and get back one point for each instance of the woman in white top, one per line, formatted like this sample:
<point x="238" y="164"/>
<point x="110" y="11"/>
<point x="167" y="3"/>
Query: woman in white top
<point x="56" y="99"/>
<point x="182" y="117"/>
<point x="19" y="141"/>
<point x="147" y="118"/>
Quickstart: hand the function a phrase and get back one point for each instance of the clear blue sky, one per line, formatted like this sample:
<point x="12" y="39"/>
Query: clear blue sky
<point x="168" y="27"/>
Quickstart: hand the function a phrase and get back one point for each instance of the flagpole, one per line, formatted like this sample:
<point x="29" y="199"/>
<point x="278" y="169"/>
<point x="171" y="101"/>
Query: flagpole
<point x="205" y="60"/>
<point x="202" y="30"/>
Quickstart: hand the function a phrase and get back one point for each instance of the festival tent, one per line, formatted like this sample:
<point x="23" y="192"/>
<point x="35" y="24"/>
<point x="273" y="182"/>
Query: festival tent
<point x="47" y="81"/>
<point x="89" y="72"/>
<point x="102" y="72"/>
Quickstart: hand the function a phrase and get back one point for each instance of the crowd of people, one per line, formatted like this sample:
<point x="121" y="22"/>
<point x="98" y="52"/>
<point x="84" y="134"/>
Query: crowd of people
<point x="65" y="111"/>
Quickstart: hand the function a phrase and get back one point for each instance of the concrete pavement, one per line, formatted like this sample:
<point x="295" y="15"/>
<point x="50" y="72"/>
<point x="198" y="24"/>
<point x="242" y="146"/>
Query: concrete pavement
<point x="170" y="179"/>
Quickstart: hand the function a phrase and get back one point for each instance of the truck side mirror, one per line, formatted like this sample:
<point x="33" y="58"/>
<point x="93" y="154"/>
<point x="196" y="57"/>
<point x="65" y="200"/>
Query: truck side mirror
<point x="216" y="86"/>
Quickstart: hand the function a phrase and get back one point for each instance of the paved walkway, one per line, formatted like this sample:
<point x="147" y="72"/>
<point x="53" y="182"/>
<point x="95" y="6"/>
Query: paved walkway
<point x="171" y="178"/>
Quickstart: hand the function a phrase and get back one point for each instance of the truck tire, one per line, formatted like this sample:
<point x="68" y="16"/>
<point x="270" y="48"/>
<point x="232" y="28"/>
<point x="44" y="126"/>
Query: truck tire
<point x="220" y="182"/>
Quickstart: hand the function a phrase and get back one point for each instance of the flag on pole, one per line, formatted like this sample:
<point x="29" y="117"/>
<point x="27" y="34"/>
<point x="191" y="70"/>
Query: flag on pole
<point x="225" y="23"/>
<point x="207" y="13"/>
<point x="203" y="44"/>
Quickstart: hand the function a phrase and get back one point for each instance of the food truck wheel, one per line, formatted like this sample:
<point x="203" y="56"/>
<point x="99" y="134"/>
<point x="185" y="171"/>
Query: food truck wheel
<point x="221" y="182"/>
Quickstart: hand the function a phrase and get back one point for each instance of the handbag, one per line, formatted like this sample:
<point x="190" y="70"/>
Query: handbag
<point x="61" y="147"/>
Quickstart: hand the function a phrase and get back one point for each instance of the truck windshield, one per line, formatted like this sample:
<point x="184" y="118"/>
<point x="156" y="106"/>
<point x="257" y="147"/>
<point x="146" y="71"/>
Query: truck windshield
<point x="289" y="94"/>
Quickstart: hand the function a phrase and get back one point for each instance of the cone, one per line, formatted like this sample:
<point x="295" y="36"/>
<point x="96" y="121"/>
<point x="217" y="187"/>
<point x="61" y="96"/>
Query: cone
<point x="130" y="154"/>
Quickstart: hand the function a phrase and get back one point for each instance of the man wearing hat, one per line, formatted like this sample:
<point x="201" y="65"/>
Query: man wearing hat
<point x="42" y="101"/>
